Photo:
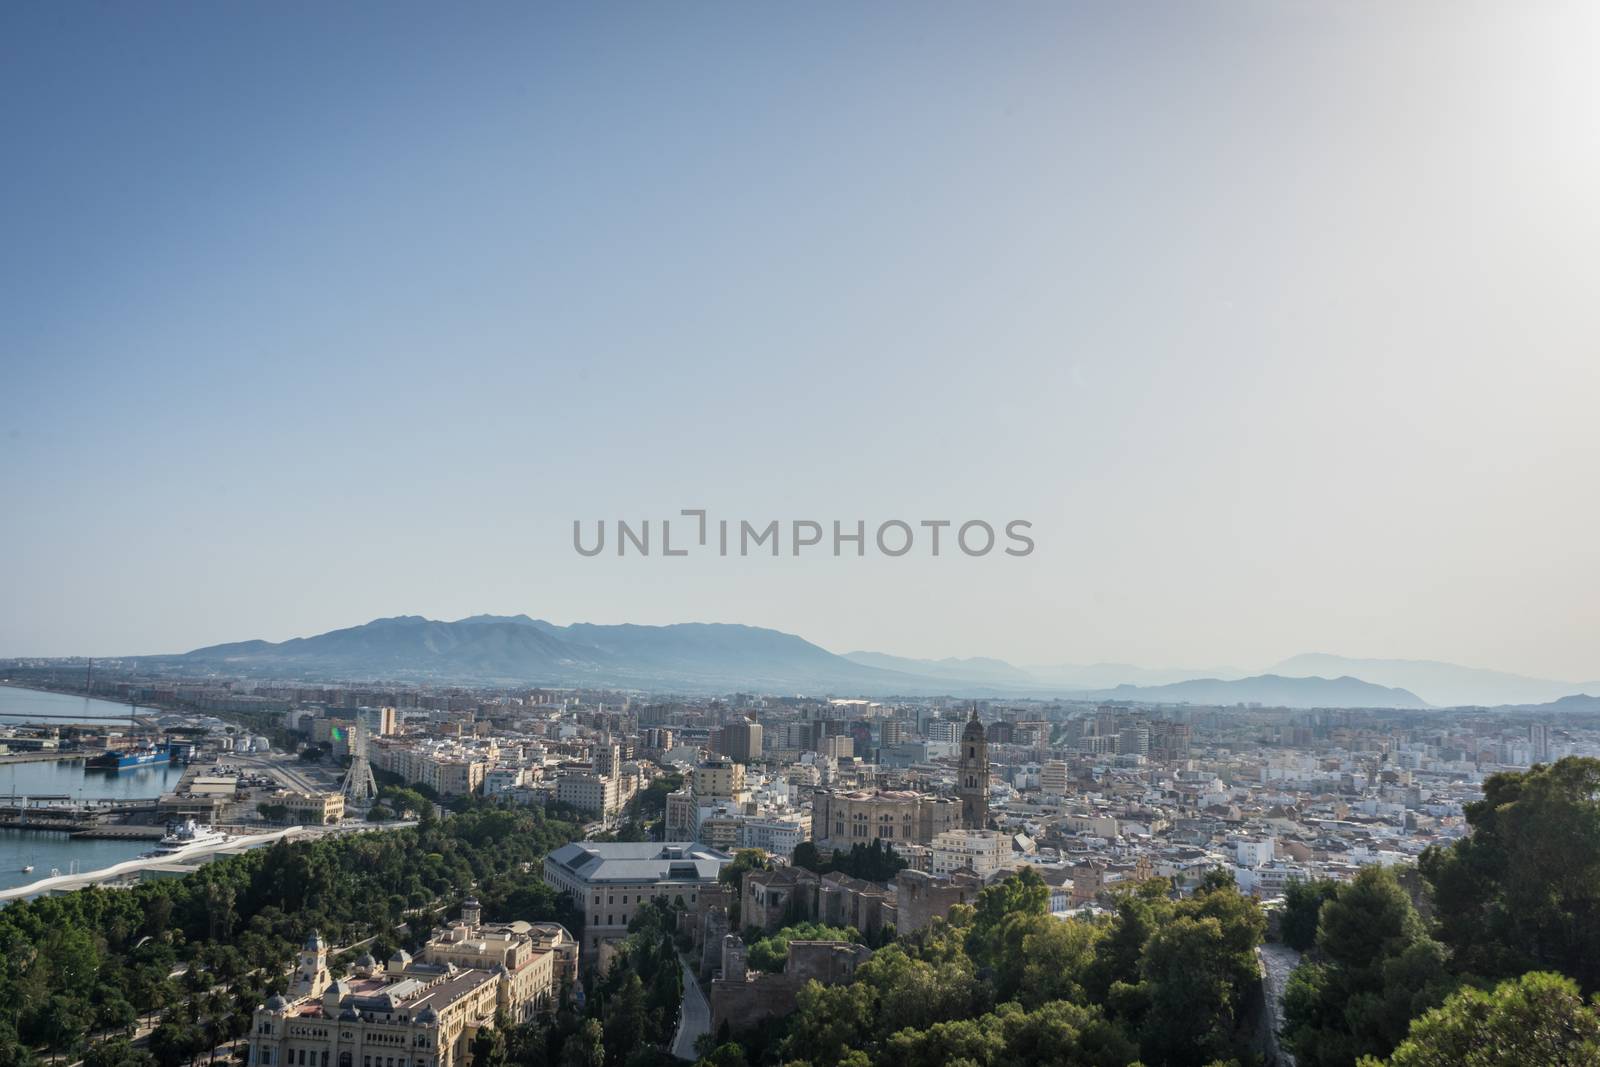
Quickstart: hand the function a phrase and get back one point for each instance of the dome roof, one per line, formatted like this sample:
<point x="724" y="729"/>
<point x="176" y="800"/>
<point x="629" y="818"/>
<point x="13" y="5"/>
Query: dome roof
<point x="276" y="1003"/>
<point x="314" y="941"/>
<point x="400" y="959"/>
<point x="974" y="729"/>
<point x="427" y="1014"/>
<point x="366" y="960"/>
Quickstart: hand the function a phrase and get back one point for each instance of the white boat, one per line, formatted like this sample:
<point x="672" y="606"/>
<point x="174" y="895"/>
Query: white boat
<point x="188" y="834"/>
<point x="28" y="869"/>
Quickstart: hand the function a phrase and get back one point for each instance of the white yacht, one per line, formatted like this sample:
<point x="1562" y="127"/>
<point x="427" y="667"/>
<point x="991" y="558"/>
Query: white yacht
<point x="188" y="834"/>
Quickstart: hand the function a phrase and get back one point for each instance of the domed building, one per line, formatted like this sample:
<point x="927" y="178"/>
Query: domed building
<point x="415" y="1011"/>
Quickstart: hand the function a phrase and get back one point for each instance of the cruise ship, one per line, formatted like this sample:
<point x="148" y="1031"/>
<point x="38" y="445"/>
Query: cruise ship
<point x="188" y="834"/>
<point x="119" y="760"/>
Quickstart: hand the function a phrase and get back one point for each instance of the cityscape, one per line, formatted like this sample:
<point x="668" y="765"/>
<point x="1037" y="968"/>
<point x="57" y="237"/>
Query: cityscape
<point x="734" y="850"/>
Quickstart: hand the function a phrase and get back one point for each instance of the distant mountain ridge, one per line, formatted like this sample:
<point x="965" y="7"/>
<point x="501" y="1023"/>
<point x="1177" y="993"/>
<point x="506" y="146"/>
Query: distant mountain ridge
<point x="1268" y="690"/>
<point x="1443" y="684"/>
<point x="518" y="649"/>
<point x="719" y="657"/>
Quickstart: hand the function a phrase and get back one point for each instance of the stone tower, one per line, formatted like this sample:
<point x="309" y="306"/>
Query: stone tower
<point x="972" y="786"/>
<point x="312" y="977"/>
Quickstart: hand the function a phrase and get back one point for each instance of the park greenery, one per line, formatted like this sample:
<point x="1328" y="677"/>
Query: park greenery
<point x="771" y="952"/>
<point x="872" y="863"/>
<point x="629" y="1014"/>
<point x="1003" y="982"/>
<point x="1493" y="947"/>
<point x="182" y="963"/>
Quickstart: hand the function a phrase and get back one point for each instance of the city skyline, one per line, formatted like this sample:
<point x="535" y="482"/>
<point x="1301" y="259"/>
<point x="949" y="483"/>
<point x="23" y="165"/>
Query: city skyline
<point x="1276" y="323"/>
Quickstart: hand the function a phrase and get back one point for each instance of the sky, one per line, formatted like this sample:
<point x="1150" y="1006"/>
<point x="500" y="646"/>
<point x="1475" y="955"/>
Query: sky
<point x="1276" y="320"/>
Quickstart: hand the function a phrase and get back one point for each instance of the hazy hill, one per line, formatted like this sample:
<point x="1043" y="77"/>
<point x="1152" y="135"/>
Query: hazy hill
<point x="513" y="649"/>
<point x="1441" y="684"/>
<point x="1267" y="689"/>
<point x="709" y="657"/>
<point x="973" y="669"/>
<point x="1107" y="675"/>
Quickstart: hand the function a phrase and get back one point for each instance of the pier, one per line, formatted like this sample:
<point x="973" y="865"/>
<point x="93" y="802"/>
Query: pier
<point x="58" y="813"/>
<point x="40" y="756"/>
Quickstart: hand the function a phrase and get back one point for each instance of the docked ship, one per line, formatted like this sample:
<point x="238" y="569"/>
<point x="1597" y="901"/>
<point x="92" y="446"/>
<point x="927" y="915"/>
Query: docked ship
<point x="124" y="759"/>
<point x="188" y="834"/>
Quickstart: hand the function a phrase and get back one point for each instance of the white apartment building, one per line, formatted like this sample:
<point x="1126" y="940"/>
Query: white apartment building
<point x="777" y="834"/>
<point x="499" y="780"/>
<point x="982" y="851"/>
<point x="597" y="794"/>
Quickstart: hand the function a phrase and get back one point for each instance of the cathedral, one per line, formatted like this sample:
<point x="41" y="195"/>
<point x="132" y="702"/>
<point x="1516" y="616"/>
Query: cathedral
<point x="972" y="785"/>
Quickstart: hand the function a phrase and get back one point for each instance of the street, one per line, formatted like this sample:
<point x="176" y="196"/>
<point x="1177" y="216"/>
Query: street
<point x="694" y="1018"/>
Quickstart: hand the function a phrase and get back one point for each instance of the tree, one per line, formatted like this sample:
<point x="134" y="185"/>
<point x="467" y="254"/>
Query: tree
<point x="1539" y="1018"/>
<point x="1302" y="905"/>
<point x="489" y="1047"/>
<point x="586" y="1047"/>
<point x="771" y="953"/>
<point x="1192" y="1009"/>
<point x="1023" y="893"/>
<point x="806" y="855"/>
<point x="624" y="1020"/>
<point x="1522" y="892"/>
<point x="117" y="1053"/>
<point x="746" y="859"/>
<point x="729" y="1055"/>
<point x="1376" y="969"/>
<point x="1056" y="957"/>
<point x="829" y="1021"/>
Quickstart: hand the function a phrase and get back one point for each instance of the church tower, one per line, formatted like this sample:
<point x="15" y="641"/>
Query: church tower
<point x="973" y="784"/>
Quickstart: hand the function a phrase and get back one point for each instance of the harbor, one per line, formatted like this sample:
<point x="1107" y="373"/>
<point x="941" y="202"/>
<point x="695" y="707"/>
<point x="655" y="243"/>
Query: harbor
<point x="58" y="814"/>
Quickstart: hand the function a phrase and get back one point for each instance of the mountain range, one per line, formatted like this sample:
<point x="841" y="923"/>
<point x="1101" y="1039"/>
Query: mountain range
<point x="723" y="657"/>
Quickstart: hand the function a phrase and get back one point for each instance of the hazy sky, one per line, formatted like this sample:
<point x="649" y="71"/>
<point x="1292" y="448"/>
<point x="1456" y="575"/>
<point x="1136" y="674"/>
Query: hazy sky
<point x="1278" y="320"/>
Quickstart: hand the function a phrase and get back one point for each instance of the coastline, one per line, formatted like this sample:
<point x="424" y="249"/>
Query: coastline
<point x="191" y="858"/>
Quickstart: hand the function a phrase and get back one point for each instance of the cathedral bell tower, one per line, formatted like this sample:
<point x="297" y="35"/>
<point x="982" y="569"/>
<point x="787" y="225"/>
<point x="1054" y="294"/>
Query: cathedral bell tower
<point x="972" y="786"/>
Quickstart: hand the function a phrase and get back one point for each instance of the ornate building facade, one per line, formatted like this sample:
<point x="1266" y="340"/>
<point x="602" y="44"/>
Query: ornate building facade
<point x="421" y="1012"/>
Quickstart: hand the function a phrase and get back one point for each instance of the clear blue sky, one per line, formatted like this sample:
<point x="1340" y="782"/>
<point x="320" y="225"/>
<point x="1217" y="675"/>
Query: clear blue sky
<point x="1276" y="319"/>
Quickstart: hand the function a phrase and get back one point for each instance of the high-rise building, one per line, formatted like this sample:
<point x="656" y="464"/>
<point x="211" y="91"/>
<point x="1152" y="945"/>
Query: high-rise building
<point x="741" y="741"/>
<point x="1133" y="741"/>
<point x="972" y="783"/>
<point x="718" y="777"/>
<point x="1539" y="742"/>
